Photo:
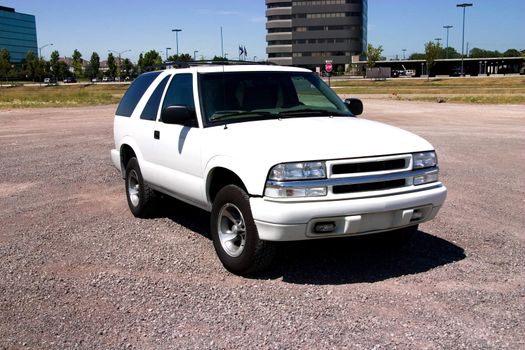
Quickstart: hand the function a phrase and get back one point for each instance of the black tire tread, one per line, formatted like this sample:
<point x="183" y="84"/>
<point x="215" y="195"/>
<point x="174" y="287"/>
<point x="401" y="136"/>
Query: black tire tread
<point x="148" y="198"/>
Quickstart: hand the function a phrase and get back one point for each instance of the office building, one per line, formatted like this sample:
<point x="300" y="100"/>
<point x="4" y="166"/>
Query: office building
<point x="17" y="33"/>
<point x="306" y="33"/>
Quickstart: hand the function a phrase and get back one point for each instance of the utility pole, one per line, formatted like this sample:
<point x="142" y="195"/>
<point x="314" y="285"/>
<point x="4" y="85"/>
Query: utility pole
<point x="195" y="55"/>
<point x="119" y="53"/>
<point x="447" y="27"/>
<point x="177" y="38"/>
<point x="222" y="44"/>
<point x="167" y="49"/>
<point x="464" y="5"/>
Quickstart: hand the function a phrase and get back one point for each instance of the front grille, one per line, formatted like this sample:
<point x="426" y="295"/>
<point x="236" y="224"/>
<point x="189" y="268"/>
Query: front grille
<point x="370" y="166"/>
<point x="373" y="186"/>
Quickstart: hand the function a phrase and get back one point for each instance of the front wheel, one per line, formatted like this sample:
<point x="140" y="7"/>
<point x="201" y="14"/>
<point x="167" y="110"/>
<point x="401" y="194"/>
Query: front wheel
<point x="235" y="235"/>
<point x="141" y="198"/>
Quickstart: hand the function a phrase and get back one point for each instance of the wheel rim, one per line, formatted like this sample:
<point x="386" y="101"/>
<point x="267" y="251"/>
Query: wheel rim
<point x="133" y="188"/>
<point x="232" y="230"/>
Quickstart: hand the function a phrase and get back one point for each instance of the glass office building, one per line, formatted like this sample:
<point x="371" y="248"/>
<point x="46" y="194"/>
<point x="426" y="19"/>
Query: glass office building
<point x="17" y="33"/>
<point x="308" y="32"/>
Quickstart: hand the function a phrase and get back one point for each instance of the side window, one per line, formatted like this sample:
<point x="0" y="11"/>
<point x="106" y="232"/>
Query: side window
<point x="152" y="107"/>
<point x="180" y="92"/>
<point x="134" y="94"/>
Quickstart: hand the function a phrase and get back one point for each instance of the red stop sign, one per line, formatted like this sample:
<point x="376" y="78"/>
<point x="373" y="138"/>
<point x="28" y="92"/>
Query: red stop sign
<point x="328" y="67"/>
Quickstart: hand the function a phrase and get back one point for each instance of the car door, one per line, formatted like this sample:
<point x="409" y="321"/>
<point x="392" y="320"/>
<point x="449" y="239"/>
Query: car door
<point x="176" y="148"/>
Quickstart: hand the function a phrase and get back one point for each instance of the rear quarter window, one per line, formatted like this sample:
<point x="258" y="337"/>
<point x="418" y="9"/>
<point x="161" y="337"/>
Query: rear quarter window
<point x="133" y="95"/>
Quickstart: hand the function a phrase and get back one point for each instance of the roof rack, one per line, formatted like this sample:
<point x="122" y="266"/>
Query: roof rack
<point x="189" y="64"/>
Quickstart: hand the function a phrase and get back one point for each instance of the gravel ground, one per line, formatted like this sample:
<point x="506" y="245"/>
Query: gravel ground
<point x="79" y="271"/>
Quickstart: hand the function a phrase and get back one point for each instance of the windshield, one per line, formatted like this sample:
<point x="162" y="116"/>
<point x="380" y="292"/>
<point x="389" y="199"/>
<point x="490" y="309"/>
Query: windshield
<point x="244" y="96"/>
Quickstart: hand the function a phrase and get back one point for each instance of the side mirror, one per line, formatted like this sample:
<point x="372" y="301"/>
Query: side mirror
<point x="354" y="105"/>
<point x="180" y="115"/>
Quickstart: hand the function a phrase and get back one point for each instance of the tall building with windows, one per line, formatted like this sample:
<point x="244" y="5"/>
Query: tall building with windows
<point x="17" y="33"/>
<point x="306" y="33"/>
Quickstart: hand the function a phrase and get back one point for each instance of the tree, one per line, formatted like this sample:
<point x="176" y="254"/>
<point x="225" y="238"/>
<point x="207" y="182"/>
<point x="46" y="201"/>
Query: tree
<point x="452" y="53"/>
<point x="112" y="66"/>
<point x="5" y="63"/>
<point x="77" y="63"/>
<point x="127" y="67"/>
<point x="373" y="55"/>
<point x="219" y="59"/>
<point x="94" y="65"/>
<point x="511" y="53"/>
<point x="149" y="60"/>
<point x="53" y="61"/>
<point x="184" y="57"/>
<point x="31" y="65"/>
<point x="417" y="56"/>
<point x="432" y="53"/>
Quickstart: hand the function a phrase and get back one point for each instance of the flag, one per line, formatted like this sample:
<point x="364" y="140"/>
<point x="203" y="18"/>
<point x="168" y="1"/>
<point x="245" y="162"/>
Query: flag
<point x="241" y="51"/>
<point x="245" y="52"/>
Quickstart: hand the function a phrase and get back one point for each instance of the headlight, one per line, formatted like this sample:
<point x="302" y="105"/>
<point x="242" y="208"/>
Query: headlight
<point x="298" y="171"/>
<point x="424" y="160"/>
<point x="281" y="173"/>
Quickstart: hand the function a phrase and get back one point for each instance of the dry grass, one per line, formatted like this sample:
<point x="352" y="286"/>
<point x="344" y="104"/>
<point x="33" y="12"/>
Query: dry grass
<point x="492" y="90"/>
<point x="60" y="96"/>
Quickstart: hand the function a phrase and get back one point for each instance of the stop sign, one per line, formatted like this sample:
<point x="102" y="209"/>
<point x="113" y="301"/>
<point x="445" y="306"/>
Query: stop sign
<point x="328" y="67"/>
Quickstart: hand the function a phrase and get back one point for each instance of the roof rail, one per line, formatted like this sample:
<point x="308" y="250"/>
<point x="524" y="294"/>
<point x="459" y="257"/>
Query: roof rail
<point x="188" y="64"/>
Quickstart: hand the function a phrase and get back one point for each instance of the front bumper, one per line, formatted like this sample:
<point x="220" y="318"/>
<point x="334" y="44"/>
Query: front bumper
<point x="294" y="221"/>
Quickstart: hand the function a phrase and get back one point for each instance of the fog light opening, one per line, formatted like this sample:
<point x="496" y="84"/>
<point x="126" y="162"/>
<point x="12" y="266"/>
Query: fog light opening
<point x="324" y="227"/>
<point x="417" y="215"/>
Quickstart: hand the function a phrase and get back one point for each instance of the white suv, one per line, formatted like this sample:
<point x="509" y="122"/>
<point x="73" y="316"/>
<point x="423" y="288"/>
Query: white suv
<point x="274" y="154"/>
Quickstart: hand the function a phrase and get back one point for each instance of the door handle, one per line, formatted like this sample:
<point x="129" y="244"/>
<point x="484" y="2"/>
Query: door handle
<point x="156" y="134"/>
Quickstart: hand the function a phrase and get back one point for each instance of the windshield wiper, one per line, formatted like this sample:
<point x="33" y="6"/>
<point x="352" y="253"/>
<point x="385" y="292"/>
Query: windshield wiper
<point x="311" y="111"/>
<point x="228" y="114"/>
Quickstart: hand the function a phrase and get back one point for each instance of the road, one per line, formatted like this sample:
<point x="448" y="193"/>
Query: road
<point x="78" y="270"/>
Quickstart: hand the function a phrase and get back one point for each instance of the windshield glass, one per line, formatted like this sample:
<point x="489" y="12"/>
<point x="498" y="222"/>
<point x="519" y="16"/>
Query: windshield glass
<point x="243" y="96"/>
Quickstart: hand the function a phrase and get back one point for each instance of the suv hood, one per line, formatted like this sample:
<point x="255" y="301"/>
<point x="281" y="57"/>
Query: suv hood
<point x="313" y="138"/>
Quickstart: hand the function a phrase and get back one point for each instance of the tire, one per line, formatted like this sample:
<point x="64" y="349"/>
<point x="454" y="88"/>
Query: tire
<point x="141" y="198"/>
<point x="235" y="235"/>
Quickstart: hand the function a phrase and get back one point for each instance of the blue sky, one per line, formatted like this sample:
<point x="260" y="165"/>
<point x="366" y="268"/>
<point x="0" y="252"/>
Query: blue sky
<point x="120" y="25"/>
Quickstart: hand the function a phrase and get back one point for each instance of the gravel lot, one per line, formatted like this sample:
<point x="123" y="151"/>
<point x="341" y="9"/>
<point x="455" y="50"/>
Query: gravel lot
<point x="78" y="270"/>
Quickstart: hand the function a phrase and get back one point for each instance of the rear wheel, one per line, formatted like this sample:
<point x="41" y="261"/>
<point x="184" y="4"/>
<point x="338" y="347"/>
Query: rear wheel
<point x="140" y="196"/>
<point x="235" y="235"/>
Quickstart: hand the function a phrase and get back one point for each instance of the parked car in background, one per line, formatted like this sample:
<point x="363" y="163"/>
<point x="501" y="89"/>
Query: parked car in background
<point x="70" y="80"/>
<point x="50" y="81"/>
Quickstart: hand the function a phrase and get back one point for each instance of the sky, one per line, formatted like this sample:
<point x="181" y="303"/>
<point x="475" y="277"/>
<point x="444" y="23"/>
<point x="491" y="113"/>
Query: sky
<point x="121" y="25"/>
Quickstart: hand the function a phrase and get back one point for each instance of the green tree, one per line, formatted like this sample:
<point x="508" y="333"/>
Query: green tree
<point x="5" y="63"/>
<point x="219" y="59"/>
<point x="416" y="56"/>
<point x="53" y="61"/>
<point x="31" y="65"/>
<point x="150" y="60"/>
<point x="432" y="53"/>
<point x="512" y="53"/>
<point x="112" y="65"/>
<point x="452" y="53"/>
<point x="77" y="63"/>
<point x="94" y="63"/>
<point x="373" y="54"/>
<point x="184" y="57"/>
<point x="127" y="67"/>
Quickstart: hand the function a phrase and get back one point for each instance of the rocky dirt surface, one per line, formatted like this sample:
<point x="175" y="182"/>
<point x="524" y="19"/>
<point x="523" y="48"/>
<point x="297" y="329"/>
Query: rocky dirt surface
<point x="77" y="270"/>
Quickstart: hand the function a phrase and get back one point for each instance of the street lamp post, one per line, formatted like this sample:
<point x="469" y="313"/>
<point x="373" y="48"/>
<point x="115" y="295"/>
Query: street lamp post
<point x="438" y="40"/>
<point x="447" y="27"/>
<point x="167" y="49"/>
<point x="195" y="55"/>
<point x="119" y="53"/>
<point x="404" y="50"/>
<point x="464" y="5"/>
<point x="41" y="47"/>
<point x="177" y="38"/>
